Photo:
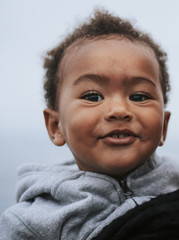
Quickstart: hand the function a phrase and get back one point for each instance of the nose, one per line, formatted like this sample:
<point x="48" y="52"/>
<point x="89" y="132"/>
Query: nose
<point x="118" y="109"/>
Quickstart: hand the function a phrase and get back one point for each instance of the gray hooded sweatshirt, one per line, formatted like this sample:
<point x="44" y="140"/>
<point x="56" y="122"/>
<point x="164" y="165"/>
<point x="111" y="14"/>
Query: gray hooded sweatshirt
<point x="61" y="202"/>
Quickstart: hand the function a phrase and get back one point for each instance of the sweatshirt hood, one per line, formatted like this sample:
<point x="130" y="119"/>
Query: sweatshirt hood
<point x="37" y="179"/>
<point x="60" y="202"/>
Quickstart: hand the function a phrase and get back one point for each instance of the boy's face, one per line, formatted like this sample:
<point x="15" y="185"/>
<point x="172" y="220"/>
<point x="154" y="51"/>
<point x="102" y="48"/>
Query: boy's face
<point x="111" y="110"/>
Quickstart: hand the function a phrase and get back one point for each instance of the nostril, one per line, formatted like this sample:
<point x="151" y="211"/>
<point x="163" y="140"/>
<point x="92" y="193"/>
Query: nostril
<point x="127" y="117"/>
<point x="119" y="116"/>
<point x="113" y="117"/>
<point x="118" y="110"/>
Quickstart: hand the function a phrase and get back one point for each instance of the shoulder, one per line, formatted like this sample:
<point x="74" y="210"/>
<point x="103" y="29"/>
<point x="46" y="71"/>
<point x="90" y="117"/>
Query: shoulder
<point x="30" y="220"/>
<point x="158" y="175"/>
<point x="166" y="172"/>
<point x="13" y="227"/>
<point x="54" y="203"/>
<point x="168" y="162"/>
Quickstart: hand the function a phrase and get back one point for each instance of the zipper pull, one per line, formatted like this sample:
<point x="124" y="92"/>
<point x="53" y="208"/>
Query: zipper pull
<point x="127" y="192"/>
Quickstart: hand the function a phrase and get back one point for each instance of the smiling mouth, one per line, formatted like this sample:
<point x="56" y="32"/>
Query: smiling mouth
<point x="120" y="137"/>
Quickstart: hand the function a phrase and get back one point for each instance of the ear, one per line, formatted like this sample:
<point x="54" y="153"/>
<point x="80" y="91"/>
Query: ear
<point x="165" y="127"/>
<point x="53" y="127"/>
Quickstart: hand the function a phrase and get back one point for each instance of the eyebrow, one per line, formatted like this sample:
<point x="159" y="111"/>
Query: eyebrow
<point x="91" y="77"/>
<point x="103" y="79"/>
<point x="140" y="79"/>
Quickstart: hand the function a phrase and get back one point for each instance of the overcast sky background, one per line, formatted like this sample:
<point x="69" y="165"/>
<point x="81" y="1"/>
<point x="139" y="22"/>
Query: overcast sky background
<point x="28" y="28"/>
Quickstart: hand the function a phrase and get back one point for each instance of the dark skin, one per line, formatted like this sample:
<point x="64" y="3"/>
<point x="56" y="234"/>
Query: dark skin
<point x="111" y="107"/>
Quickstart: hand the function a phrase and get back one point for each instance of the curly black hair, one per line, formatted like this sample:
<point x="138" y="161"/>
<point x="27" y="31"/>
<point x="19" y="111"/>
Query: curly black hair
<point x="101" y="25"/>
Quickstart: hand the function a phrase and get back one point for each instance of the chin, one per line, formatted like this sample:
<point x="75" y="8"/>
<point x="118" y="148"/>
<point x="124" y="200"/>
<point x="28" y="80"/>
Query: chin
<point x="119" y="170"/>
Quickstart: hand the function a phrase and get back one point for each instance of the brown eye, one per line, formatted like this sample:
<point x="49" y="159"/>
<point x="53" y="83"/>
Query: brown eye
<point x="93" y="97"/>
<point x="139" y="97"/>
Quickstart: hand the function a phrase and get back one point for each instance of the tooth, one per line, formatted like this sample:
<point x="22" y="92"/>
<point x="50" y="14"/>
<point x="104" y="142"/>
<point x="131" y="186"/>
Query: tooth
<point x="121" y="135"/>
<point x="115" y="136"/>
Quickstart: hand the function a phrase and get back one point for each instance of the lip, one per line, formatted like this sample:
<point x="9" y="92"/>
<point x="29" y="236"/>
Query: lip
<point x="120" y="137"/>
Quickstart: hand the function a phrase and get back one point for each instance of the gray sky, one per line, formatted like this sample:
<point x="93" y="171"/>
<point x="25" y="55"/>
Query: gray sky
<point x="30" y="27"/>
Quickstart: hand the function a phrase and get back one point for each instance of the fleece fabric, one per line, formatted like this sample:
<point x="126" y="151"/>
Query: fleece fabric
<point x="61" y="202"/>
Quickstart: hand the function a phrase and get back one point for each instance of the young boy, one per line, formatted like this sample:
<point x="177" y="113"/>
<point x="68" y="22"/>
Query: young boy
<point x="106" y="89"/>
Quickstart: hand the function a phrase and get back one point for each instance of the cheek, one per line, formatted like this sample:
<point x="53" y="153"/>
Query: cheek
<point x="153" y="124"/>
<point x="78" y="124"/>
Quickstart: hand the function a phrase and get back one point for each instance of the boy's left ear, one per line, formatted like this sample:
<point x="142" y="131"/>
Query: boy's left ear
<point x="167" y="115"/>
<point x="52" y="123"/>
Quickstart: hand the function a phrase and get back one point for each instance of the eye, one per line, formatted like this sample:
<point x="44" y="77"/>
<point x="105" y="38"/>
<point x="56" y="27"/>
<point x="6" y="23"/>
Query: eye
<point x="139" y="97"/>
<point x="92" y="96"/>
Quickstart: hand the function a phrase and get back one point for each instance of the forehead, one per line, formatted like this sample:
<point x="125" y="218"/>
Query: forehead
<point x="90" y="56"/>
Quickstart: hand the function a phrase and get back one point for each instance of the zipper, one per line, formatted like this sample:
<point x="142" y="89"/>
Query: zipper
<point x="128" y="193"/>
